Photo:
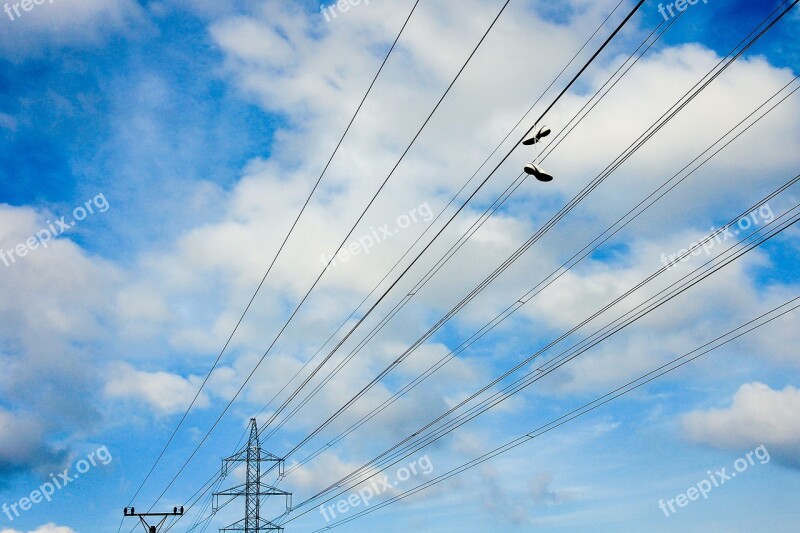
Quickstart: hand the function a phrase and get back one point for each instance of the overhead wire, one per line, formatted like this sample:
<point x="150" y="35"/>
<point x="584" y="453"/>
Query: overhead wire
<point x="496" y="168"/>
<point x="465" y="185"/>
<point x="675" y="364"/>
<point x="682" y="103"/>
<point x="555" y="275"/>
<point x="597" y="337"/>
<point x="738" y="250"/>
<point x="344" y="241"/>
<point x="275" y="258"/>
<point x="641" y="2"/>
<point x="441" y="212"/>
<point x="480" y="221"/>
<point x="554" y="102"/>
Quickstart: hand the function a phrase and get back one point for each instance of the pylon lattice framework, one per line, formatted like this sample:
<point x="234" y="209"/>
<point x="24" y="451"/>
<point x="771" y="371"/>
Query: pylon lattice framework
<point x="253" y="489"/>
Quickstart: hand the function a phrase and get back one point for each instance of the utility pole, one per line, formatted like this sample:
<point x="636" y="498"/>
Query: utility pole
<point x="253" y="489"/>
<point x="131" y="511"/>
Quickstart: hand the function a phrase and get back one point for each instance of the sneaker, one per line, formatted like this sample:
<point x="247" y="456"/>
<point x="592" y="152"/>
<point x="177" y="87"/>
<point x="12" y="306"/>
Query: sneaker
<point x="534" y="138"/>
<point x="532" y="170"/>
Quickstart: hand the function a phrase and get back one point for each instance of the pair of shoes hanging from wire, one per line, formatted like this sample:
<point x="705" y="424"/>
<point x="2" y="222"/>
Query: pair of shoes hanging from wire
<point x="533" y="169"/>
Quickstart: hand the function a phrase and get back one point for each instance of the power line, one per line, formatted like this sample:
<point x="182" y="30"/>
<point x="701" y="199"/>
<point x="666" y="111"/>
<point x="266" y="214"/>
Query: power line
<point x="488" y="213"/>
<point x="575" y="351"/>
<point x="667" y="368"/>
<point x="563" y="358"/>
<point x="551" y="106"/>
<point x="444" y="209"/>
<point x="556" y="274"/>
<point x="643" y="139"/>
<point x="718" y="73"/>
<point x="344" y="241"/>
<point x="375" y="305"/>
<point x="277" y="254"/>
<point x="449" y="203"/>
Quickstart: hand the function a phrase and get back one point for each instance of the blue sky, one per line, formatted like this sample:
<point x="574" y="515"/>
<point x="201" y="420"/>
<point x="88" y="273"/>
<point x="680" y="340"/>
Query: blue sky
<point x="204" y="126"/>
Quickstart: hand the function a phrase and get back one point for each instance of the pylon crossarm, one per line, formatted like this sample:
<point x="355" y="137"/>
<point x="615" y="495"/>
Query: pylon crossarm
<point x="147" y="527"/>
<point x="275" y="464"/>
<point x="263" y="525"/>
<point x="217" y="505"/>
<point x="238" y="490"/>
<point x="263" y="490"/>
<point x="270" y="457"/>
<point x="130" y="512"/>
<point x="268" y="490"/>
<point x="239" y="456"/>
<point x="232" y="462"/>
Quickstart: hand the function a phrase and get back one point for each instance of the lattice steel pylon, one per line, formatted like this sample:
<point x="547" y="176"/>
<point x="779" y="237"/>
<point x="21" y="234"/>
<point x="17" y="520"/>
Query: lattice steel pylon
<point x="253" y="488"/>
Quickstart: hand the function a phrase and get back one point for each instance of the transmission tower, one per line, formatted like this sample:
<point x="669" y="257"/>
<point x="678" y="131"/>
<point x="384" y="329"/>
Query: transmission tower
<point x="253" y="489"/>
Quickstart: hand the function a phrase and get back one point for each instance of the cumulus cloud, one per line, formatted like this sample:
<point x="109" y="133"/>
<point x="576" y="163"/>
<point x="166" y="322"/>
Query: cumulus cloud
<point x="52" y="308"/>
<point x="269" y="54"/>
<point x="56" y="23"/>
<point x="166" y="393"/>
<point x="757" y="415"/>
<point x="47" y="528"/>
<point x="23" y="445"/>
<point x="192" y="291"/>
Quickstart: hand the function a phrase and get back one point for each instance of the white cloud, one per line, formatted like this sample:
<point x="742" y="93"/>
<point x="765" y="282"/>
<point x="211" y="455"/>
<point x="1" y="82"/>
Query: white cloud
<point x="22" y="444"/>
<point x="56" y="23"/>
<point x="757" y="415"/>
<point x="191" y="292"/>
<point x="278" y="56"/>
<point x="53" y="307"/>
<point x="166" y="393"/>
<point x="47" y="528"/>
